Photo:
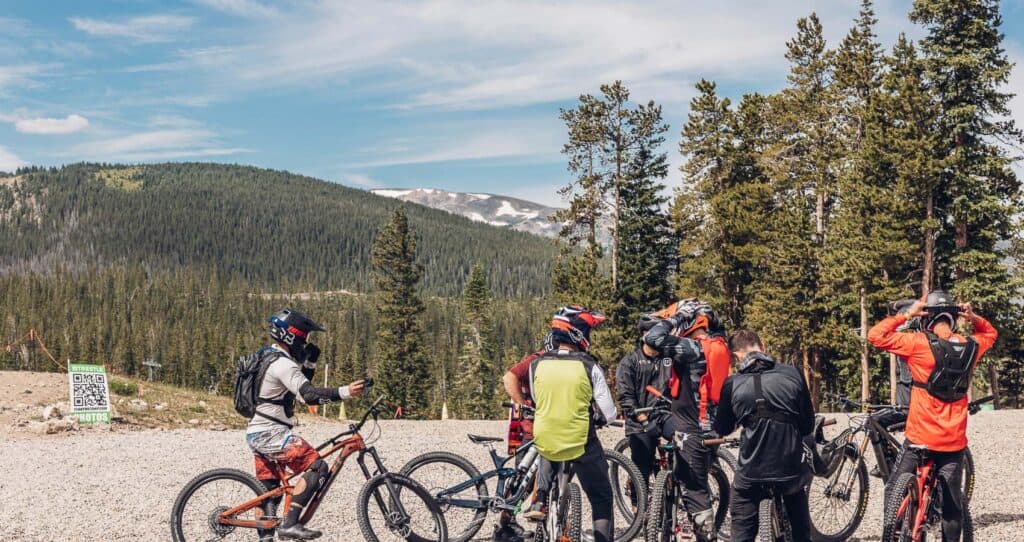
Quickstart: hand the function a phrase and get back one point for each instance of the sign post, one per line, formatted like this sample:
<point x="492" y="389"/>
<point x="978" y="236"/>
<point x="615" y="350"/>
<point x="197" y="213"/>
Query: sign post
<point x="90" y="393"/>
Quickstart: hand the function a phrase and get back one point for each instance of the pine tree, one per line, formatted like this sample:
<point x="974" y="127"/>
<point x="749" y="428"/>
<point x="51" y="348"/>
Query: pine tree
<point x="645" y="250"/>
<point x="478" y="363"/>
<point x="966" y="69"/>
<point x="402" y="368"/>
<point x="789" y="302"/>
<point x="719" y="212"/>
<point x="871" y="245"/>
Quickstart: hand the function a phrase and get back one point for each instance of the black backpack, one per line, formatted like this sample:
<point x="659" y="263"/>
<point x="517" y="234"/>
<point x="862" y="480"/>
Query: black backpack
<point x="950" y="379"/>
<point x="249" y="373"/>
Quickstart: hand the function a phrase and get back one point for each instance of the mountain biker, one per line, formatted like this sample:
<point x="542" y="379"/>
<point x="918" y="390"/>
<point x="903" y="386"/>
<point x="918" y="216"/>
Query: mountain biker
<point x="269" y="433"/>
<point x="941" y="363"/>
<point x="572" y="399"/>
<point x="643" y="367"/>
<point x="690" y="333"/>
<point x="771" y="402"/>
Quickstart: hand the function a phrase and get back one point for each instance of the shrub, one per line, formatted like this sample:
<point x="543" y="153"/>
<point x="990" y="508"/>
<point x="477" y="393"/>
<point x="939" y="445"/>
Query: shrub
<point x="123" y="387"/>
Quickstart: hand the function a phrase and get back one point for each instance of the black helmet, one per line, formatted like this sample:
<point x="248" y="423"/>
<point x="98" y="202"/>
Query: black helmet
<point x="939" y="305"/>
<point x="291" y="328"/>
<point x="646" y="322"/>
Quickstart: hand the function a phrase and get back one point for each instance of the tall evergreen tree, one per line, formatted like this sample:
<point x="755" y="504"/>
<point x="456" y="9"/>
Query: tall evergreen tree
<point x="646" y="252"/>
<point x="478" y="363"/>
<point x="789" y="303"/>
<point x="402" y="368"/>
<point x="966" y="69"/>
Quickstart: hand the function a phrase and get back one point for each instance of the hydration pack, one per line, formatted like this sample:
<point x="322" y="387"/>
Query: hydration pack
<point x="950" y="379"/>
<point x="249" y="373"/>
<point x="700" y="380"/>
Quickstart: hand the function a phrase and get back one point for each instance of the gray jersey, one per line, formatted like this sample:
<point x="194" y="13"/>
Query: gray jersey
<point x="283" y="376"/>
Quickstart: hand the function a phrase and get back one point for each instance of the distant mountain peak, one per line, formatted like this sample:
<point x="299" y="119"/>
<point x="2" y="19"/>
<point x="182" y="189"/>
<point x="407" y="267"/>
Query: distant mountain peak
<point x="496" y="210"/>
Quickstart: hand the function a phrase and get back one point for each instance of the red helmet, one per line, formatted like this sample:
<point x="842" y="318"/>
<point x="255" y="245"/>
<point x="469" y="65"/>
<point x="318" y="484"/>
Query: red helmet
<point x="572" y="324"/>
<point x="692" y="314"/>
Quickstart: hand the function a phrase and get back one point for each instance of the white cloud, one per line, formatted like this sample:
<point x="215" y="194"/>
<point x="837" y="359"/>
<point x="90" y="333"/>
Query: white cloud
<point x="10" y="161"/>
<point x="143" y="29"/>
<point x="485" y="54"/>
<point x="67" y="125"/>
<point x="241" y="8"/>
<point x="161" y="144"/>
<point x="515" y="139"/>
<point x="21" y="75"/>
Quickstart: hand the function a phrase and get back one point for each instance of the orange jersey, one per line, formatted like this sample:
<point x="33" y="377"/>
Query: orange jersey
<point x="719" y="359"/>
<point x="939" y="425"/>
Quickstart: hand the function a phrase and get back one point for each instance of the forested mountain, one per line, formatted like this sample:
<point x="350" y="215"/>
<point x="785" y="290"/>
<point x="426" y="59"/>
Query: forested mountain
<point x="271" y="228"/>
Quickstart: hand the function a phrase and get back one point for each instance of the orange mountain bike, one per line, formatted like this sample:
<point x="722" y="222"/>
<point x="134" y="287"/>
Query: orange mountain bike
<point x="913" y="510"/>
<point x="229" y="504"/>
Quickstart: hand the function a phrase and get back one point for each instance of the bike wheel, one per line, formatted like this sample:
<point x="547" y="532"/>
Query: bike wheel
<point x="900" y="509"/>
<point x="838" y="502"/>
<point x="766" y="531"/>
<point x="726" y="461"/>
<point x="630" y="496"/>
<point x="968" y="475"/>
<point x="967" y="533"/>
<point x="439" y="471"/>
<point x="573" y="527"/>
<point x="205" y="497"/>
<point x="394" y="507"/>
<point x="720" y="489"/>
<point x="655" y="530"/>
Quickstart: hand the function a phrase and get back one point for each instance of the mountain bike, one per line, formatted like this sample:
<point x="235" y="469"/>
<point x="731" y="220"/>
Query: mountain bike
<point x="839" y="495"/>
<point x="462" y="492"/>
<point x="667" y="514"/>
<point x="229" y="504"/>
<point x="913" y="508"/>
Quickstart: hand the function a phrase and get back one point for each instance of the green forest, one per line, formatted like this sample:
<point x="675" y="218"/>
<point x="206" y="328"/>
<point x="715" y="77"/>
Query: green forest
<point x="876" y="173"/>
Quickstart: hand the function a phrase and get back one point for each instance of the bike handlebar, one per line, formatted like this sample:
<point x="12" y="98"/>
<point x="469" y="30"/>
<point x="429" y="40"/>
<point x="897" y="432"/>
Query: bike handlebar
<point x="713" y="441"/>
<point x="356" y="427"/>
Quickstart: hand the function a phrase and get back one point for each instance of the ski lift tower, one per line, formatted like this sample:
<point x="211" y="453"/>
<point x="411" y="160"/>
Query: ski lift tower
<point x="151" y="365"/>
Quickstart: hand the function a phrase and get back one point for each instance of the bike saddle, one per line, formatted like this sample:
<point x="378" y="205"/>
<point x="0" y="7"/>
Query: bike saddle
<point x="479" y="439"/>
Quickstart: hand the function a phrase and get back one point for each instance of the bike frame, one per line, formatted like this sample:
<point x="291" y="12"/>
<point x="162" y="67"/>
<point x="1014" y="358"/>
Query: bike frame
<point x="503" y="474"/>
<point x="926" y="481"/>
<point x="352" y="445"/>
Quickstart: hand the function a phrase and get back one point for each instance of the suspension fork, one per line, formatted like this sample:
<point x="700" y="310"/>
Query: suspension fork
<point x="392" y="490"/>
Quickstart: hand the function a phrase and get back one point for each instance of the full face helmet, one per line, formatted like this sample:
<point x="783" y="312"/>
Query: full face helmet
<point x="291" y="329"/>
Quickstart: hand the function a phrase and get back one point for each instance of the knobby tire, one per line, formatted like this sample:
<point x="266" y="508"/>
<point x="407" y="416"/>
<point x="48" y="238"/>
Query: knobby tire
<point x="859" y="495"/>
<point x="244" y="478"/>
<point x="459" y="531"/>
<point x="379" y="485"/>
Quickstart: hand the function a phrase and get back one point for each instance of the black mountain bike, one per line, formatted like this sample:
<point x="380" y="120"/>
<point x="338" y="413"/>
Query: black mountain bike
<point x="463" y="495"/>
<point x="667" y="514"/>
<point x="839" y="495"/>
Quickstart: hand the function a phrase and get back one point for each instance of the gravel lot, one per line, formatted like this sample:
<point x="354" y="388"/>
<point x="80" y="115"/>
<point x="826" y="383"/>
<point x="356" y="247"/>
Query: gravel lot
<point x="103" y="485"/>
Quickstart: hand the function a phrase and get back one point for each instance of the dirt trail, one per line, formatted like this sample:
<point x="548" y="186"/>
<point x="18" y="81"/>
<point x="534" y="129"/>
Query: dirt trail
<point x="120" y="485"/>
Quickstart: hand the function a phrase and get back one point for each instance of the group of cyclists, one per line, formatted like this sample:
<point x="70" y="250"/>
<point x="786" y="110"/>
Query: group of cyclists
<point x="716" y="382"/>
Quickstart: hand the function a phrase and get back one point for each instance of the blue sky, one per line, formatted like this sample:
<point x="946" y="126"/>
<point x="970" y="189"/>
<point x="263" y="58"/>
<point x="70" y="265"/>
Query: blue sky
<point x="462" y="95"/>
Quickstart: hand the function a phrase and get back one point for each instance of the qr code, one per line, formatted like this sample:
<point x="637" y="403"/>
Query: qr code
<point x="89" y="391"/>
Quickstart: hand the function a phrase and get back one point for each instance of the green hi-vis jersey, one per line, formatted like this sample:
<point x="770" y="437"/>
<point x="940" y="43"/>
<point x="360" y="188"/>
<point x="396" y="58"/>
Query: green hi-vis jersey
<point x="564" y="385"/>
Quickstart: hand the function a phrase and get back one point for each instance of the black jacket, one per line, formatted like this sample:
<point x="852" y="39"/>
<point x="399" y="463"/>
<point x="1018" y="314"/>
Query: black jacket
<point x="637" y="371"/>
<point x="771" y="444"/>
<point x="683" y="352"/>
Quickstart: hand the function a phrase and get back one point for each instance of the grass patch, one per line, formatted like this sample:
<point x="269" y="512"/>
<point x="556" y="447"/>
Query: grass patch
<point x="121" y="178"/>
<point x="123" y="388"/>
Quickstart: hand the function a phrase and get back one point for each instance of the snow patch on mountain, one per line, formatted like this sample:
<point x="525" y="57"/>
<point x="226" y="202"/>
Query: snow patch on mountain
<point x="496" y="210"/>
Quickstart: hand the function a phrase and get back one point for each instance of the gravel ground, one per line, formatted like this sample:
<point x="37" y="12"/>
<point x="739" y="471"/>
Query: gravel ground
<point x="100" y="485"/>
